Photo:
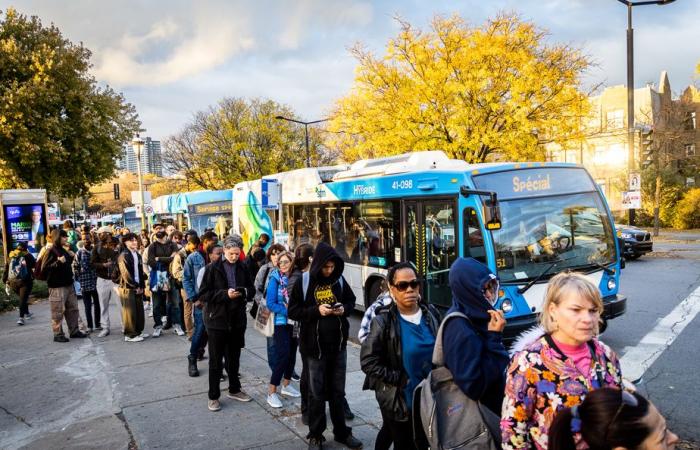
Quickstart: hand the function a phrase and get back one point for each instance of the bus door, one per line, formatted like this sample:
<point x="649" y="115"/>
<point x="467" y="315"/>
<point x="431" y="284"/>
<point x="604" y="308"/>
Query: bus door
<point x="430" y="243"/>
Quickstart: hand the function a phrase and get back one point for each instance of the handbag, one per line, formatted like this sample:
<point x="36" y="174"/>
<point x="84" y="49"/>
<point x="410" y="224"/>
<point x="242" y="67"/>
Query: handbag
<point x="265" y="321"/>
<point x="253" y="310"/>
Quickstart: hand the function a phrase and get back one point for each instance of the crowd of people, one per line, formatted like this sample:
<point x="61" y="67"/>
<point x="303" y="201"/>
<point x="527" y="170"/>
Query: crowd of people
<point x="559" y="387"/>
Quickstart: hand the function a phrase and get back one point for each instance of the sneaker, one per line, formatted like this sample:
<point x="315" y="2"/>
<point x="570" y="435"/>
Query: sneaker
<point x="290" y="391"/>
<point x="143" y="335"/>
<point x="274" y="400"/>
<point x="350" y="442"/>
<point x="90" y="330"/>
<point x="98" y="327"/>
<point x="157" y="331"/>
<point x="224" y="377"/>
<point x="315" y="443"/>
<point x="20" y="321"/>
<point x="104" y="333"/>
<point x="296" y="377"/>
<point x="133" y="339"/>
<point x="166" y="324"/>
<point x="178" y="330"/>
<point x="214" y="405"/>
<point x="60" y="338"/>
<point x="29" y="316"/>
<point x="240" y="396"/>
<point x="78" y="335"/>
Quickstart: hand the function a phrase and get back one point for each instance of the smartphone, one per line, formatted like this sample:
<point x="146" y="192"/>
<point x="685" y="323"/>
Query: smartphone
<point x="337" y="306"/>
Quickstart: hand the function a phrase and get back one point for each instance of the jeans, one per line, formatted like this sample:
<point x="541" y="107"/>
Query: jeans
<point x="172" y="298"/>
<point x="271" y="356"/>
<point x="23" y="294"/>
<point x="92" y="303"/>
<point x="199" y="335"/>
<point x="327" y="382"/>
<point x="223" y="343"/>
<point x="285" y="354"/>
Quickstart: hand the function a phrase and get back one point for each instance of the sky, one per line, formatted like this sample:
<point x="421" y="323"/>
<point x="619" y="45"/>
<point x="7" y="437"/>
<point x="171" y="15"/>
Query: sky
<point x="176" y="57"/>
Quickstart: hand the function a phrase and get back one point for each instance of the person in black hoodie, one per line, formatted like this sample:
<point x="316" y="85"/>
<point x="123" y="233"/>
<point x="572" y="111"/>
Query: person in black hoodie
<point x="225" y="290"/>
<point x="322" y="310"/>
<point x="474" y="351"/>
<point x="57" y="265"/>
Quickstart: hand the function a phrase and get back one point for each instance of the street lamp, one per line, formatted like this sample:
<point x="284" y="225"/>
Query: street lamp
<point x="306" y="131"/>
<point x="630" y="84"/>
<point x="138" y="148"/>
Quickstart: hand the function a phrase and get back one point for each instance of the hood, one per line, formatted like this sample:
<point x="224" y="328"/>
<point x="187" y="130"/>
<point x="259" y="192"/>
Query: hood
<point x="526" y="338"/>
<point x="322" y="255"/>
<point x="467" y="279"/>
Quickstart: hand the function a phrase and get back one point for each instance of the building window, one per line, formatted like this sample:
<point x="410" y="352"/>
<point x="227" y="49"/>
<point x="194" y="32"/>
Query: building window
<point x="599" y="155"/>
<point x="615" y="119"/>
<point x="690" y="121"/>
<point x="689" y="150"/>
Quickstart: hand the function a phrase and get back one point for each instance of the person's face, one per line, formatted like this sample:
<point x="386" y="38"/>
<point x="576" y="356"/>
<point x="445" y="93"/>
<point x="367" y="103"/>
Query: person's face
<point x="64" y="240"/>
<point x="169" y="229"/>
<point x="144" y="241"/>
<point x="216" y="254"/>
<point x="327" y="269"/>
<point x="158" y="228"/>
<point x="274" y="258"/>
<point x="264" y="240"/>
<point x="285" y="264"/>
<point x="661" y="438"/>
<point x="190" y="247"/>
<point x="491" y="291"/>
<point x="575" y="316"/>
<point x="231" y="254"/>
<point x="405" y="289"/>
<point x="132" y="244"/>
<point x="36" y="216"/>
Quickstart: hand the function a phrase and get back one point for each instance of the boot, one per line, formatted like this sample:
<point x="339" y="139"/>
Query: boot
<point x="192" y="366"/>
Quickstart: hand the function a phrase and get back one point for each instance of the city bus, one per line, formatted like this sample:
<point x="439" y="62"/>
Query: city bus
<point x="526" y="221"/>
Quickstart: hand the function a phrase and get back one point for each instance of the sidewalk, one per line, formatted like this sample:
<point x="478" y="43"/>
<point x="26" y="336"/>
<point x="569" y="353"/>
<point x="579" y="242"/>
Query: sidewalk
<point x="106" y="393"/>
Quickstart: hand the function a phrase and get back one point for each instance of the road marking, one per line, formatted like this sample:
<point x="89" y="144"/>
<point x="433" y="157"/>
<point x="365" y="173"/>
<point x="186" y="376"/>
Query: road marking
<point x="639" y="358"/>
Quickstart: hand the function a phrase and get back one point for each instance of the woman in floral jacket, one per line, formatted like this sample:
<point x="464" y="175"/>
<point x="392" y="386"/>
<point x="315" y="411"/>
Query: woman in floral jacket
<point x="557" y="364"/>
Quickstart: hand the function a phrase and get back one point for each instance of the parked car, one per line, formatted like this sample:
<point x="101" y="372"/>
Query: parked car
<point x="634" y="242"/>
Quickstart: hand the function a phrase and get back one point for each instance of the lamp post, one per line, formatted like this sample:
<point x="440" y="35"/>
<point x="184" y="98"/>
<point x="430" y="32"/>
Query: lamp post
<point x="306" y="131"/>
<point x="138" y="148"/>
<point x="630" y="84"/>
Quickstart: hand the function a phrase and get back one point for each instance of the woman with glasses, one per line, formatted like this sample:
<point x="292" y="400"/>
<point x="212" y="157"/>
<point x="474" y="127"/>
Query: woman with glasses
<point x="397" y="354"/>
<point x="285" y="344"/>
<point x="473" y="349"/>
<point x="557" y="364"/>
<point x="610" y="419"/>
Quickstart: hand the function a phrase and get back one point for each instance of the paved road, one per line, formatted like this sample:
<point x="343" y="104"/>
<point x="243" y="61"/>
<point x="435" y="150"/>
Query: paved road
<point x="109" y="394"/>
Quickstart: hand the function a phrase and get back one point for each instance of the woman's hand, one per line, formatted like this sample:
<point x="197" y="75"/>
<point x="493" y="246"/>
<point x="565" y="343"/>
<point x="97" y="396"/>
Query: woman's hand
<point x="497" y="322"/>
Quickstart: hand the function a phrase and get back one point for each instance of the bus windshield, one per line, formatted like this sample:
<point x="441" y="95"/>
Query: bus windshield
<point x="570" y="230"/>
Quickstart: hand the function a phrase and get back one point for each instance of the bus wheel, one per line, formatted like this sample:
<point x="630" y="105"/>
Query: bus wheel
<point x="603" y="326"/>
<point x="373" y="289"/>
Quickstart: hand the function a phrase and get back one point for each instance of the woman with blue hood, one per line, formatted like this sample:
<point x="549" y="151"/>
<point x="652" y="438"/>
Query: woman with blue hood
<point x="473" y="349"/>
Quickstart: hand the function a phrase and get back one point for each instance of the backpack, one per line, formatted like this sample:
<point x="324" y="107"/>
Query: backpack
<point x="15" y="269"/>
<point x="449" y="417"/>
<point x="39" y="273"/>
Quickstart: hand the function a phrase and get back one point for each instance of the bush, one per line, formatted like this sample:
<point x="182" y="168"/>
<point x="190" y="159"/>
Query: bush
<point x="7" y="302"/>
<point x="688" y="211"/>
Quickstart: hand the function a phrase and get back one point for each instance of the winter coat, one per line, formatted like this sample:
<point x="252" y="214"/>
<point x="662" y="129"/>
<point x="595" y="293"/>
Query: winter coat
<point x="540" y="382"/>
<point x="322" y="335"/>
<point x="381" y="359"/>
<point x="277" y="299"/>
<point x="220" y="311"/>
<point x="475" y="356"/>
<point x="161" y="253"/>
<point x="127" y="276"/>
<point x="58" y="274"/>
<point x="194" y="262"/>
<point x="99" y="257"/>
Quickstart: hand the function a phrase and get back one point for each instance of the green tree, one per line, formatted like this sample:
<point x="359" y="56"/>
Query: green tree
<point x="477" y="92"/>
<point x="238" y="140"/>
<point x="58" y="129"/>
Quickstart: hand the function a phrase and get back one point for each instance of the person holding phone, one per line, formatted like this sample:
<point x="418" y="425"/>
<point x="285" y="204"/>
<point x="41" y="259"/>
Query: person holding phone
<point x="225" y="290"/>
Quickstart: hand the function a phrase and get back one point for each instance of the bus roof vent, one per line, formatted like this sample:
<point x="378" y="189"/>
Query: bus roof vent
<point x="407" y="162"/>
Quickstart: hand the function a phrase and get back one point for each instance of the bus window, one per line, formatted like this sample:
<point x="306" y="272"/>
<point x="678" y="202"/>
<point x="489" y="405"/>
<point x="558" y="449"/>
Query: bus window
<point x="473" y="237"/>
<point x="375" y="225"/>
<point x="440" y="234"/>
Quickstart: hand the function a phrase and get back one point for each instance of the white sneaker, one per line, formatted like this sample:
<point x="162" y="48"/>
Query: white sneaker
<point x="29" y="316"/>
<point x="104" y="332"/>
<point x="133" y="339"/>
<point x="178" y="330"/>
<point x="290" y="391"/>
<point x="20" y="321"/>
<point x="157" y="331"/>
<point x="274" y="400"/>
<point x="144" y="335"/>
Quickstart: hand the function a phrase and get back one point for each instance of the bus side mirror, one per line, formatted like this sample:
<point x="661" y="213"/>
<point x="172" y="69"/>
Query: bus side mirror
<point x="492" y="215"/>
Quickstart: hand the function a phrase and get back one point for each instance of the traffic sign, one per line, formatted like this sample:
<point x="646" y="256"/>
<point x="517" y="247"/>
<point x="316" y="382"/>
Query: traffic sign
<point x="632" y="200"/>
<point x="635" y="181"/>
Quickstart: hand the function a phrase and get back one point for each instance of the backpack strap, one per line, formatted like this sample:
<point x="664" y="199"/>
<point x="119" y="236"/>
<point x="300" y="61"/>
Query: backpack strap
<point x="438" y="354"/>
<point x="305" y="277"/>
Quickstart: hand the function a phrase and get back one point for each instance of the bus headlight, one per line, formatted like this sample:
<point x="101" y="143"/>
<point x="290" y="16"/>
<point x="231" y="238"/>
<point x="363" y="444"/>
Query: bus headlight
<point x="611" y="284"/>
<point x="507" y="306"/>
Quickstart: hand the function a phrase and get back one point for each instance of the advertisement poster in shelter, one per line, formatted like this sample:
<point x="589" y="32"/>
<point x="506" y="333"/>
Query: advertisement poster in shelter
<point x="25" y="223"/>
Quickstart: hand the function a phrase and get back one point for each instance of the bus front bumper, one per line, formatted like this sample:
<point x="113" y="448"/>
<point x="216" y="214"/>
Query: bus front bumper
<point x="614" y="306"/>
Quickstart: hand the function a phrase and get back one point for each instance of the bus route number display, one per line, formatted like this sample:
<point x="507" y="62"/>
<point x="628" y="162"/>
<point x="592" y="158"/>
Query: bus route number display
<point x="402" y="184"/>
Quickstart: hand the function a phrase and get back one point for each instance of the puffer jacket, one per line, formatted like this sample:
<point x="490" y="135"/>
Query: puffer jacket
<point x="277" y="299"/>
<point x="381" y="359"/>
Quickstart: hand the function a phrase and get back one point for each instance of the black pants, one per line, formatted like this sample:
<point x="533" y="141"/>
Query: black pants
<point x="223" y="343"/>
<point x="23" y="294"/>
<point x="327" y="382"/>
<point x="92" y="303"/>
<point x="400" y="433"/>
<point x="304" y="386"/>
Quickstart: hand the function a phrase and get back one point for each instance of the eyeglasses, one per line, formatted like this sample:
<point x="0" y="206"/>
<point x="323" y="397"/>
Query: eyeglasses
<point x="626" y="399"/>
<point x="492" y="287"/>
<point x="284" y="262"/>
<point x="401" y="286"/>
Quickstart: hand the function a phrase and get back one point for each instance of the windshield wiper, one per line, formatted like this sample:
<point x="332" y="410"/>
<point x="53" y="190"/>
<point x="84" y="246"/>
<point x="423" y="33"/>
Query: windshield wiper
<point x="606" y="269"/>
<point x="532" y="282"/>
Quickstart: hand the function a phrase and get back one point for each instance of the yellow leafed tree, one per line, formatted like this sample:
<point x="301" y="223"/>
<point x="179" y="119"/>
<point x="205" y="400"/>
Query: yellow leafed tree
<point x="496" y="91"/>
